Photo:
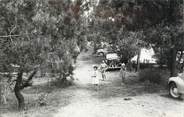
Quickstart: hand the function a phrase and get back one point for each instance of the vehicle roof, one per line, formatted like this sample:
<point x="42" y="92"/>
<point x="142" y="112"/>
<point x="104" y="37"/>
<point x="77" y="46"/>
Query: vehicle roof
<point x="112" y="56"/>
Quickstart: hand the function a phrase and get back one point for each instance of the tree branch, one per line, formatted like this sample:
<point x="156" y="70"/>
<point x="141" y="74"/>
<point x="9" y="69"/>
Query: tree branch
<point x="7" y="36"/>
<point x="32" y="75"/>
<point x="11" y="32"/>
<point x="28" y="82"/>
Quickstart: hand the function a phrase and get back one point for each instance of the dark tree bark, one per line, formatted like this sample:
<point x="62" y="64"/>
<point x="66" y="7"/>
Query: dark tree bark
<point x="179" y="64"/>
<point x="138" y="60"/>
<point x="181" y="56"/>
<point x="17" y="90"/>
<point x="173" y="62"/>
<point x="95" y="48"/>
<point x="182" y="67"/>
<point x="28" y="82"/>
<point x="20" y="85"/>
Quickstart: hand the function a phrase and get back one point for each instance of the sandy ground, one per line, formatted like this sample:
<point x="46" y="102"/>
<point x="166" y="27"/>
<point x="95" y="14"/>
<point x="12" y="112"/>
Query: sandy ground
<point x="114" y="99"/>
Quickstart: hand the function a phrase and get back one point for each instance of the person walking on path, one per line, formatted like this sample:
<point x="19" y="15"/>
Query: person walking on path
<point x="95" y="77"/>
<point x="103" y="68"/>
<point x="123" y="72"/>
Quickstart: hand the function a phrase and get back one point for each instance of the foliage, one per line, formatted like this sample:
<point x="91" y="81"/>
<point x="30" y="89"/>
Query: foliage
<point x="165" y="40"/>
<point x="38" y="33"/>
<point x="160" y="21"/>
<point x="49" y="34"/>
<point x="129" y="44"/>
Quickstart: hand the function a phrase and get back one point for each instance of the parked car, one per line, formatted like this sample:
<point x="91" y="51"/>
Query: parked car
<point x="113" y="61"/>
<point x="102" y="51"/>
<point x="176" y="86"/>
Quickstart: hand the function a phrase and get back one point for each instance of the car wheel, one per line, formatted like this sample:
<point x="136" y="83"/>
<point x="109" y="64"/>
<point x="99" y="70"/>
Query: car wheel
<point x="173" y="90"/>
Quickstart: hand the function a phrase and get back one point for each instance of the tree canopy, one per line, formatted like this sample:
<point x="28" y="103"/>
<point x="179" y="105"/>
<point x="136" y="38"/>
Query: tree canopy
<point x="40" y="33"/>
<point x="160" y="21"/>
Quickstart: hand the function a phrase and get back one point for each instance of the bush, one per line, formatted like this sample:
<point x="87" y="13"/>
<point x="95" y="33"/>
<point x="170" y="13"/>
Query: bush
<point x="151" y="75"/>
<point x="63" y="82"/>
<point x="42" y="99"/>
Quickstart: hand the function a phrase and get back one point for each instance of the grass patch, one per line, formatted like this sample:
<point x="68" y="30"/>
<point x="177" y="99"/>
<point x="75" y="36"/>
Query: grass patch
<point x="41" y="100"/>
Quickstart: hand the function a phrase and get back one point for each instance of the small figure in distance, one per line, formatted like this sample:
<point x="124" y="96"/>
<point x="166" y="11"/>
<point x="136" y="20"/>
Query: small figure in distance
<point x="95" y="77"/>
<point x="103" y="68"/>
<point x="123" y="72"/>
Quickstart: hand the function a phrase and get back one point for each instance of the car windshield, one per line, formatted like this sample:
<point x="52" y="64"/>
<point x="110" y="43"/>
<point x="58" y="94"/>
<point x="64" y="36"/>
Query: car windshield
<point x="112" y="56"/>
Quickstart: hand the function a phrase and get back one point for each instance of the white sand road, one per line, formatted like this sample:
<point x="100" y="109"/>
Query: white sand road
<point x="109" y="100"/>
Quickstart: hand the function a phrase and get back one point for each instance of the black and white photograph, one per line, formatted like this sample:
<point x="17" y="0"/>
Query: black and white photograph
<point x="91" y="58"/>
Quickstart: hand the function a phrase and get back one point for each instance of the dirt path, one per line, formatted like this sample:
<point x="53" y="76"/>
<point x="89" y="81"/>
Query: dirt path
<point x="82" y="104"/>
<point x="114" y="99"/>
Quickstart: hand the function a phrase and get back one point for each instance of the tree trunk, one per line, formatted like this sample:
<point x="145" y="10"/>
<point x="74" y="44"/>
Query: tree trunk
<point x="138" y="60"/>
<point x="20" y="99"/>
<point x="181" y="56"/>
<point x="95" y="48"/>
<point x="17" y="91"/>
<point x="179" y="64"/>
<point x="173" y="62"/>
<point x="182" y="67"/>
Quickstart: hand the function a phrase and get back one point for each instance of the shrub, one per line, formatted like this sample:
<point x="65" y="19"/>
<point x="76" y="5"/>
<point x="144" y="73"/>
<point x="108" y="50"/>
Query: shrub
<point x="42" y="99"/>
<point x="151" y="75"/>
<point x="63" y="82"/>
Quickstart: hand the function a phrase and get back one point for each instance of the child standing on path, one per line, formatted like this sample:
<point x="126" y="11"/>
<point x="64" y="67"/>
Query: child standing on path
<point x="95" y="77"/>
<point x="103" y="67"/>
<point x="123" y="72"/>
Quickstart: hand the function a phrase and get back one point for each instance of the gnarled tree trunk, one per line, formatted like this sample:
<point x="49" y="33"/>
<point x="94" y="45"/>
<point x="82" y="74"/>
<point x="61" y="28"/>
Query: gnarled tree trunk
<point x="17" y="91"/>
<point x="20" y="98"/>
<point x="20" y="85"/>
